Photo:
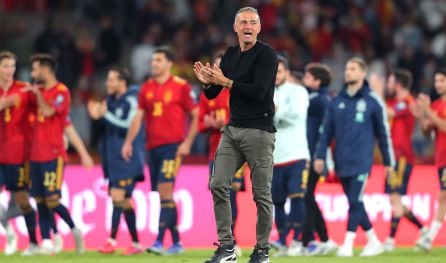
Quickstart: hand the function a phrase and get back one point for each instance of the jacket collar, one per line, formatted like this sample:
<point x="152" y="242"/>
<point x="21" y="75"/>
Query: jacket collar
<point x="365" y="89"/>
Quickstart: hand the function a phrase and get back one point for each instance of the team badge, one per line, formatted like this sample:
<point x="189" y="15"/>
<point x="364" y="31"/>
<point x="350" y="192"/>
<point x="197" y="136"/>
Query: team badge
<point x="341" y="105"/>
<point x="59" y="100"/>
<point x="361" y="106"/>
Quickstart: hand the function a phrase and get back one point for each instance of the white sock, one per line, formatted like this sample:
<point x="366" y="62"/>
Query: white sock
<point x="349" y="239"/>
<point x="433" y="231"/>
<point x="371" y="236"/>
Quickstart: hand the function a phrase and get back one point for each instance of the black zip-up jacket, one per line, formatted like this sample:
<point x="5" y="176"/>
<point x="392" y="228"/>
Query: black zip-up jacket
<point x="251" y="97"/>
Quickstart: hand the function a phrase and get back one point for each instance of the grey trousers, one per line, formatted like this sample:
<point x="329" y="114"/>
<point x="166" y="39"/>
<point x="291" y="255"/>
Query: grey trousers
<point x="256" y="147"/>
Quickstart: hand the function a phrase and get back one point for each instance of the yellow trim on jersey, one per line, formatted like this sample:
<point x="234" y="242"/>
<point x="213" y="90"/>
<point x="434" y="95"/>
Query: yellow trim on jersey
<point x="59" y="173"/>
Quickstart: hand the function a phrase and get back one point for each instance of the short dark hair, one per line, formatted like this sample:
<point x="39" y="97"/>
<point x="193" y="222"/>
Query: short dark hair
<point x="441" y="71"/>
<point x="403" y="77"/>
<point x="4" y="54"/>
<point x="123" y="73"/>
<point x="46" y="60"/>
<point x="360" y="61"/>
<point x="166" y="51"/>
<point x="282" y="58"/>
<point x="320" y="72"/>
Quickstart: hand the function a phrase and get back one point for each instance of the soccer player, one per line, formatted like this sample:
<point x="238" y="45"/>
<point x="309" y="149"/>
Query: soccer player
<point x="50" y="107"/>
<point x="402" y="125"/>
<point x="291" y="158"/>
<point x="213" y="116"/>
<point x="248" y="70"/>
<point x="117" y="113"/>
<point x="355" y="118"/>
<point x="166" y="101"/>
<point x="316" y="79"/>
<point x="13" y="155"/>
<point x="433" y="118"/>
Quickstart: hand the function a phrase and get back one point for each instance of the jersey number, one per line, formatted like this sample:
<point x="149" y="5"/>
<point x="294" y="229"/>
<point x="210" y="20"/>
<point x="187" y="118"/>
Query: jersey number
<point x="157" y="109"/>
<point x="220" y="114"/>
<point x="50" y="180"/>
<point x="169" y="168"/>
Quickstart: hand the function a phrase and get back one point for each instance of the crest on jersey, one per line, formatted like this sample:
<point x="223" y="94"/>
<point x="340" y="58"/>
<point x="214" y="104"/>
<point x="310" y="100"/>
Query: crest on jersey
<point x="361" y="106"/>
<point x="211" y="103"/>
<point x="193" y="96"/>
<point x="167" y="96"/>
<point x="59" y="100"/>
<point x="341" y="105"/>
<point x="402" y="105"/>
<point x="149" y="95"/>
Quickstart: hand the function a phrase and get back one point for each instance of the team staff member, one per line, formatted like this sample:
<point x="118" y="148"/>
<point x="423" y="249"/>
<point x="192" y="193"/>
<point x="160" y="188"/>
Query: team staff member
<point x="166" y="101"/>
<point x="213" y="116"/>
<point x="316" y="79"/>
<point x="355" y="119"/>
<point x="248" y="71"/>
<point x="50" y="107"/>
<point x="118" y="113"/>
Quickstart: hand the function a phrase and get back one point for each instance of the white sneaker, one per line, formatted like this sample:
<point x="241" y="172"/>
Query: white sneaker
<point x="78" y="240"/>
<point x="295" y="249"/>
<point x="32" y="250"/>
<point x="373" y="248"/>
<point x="281" y="252"/>
<point x="11" y="241"/>
<point x="47" y="247"/>
<point x="238" y="251"/>
<point x="58" y="243"/>
<point x="424" y="243"/>
<point x="389" y="244"/>
<point x="328" y="247"/>
<point x="345" y="251"/>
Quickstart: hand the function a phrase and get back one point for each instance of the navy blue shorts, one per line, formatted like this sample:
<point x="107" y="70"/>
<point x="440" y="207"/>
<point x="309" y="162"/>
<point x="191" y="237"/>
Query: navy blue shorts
<point x="128" y="185"/>
<point x="442" y="176"/>
<point x="289" y="181"/>
<point x="163" y="164"/>
<point x="15" y="177"/>
<point x="47" y="178"/>
<point x="239" y="177"/>
<point x="398" y="181"/>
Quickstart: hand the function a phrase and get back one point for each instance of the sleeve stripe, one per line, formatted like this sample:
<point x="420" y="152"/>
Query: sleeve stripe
<point x="386" y="126"/>
<point x="124" y="123"/>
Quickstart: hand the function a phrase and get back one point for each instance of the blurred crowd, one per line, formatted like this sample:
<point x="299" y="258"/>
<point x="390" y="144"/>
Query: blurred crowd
<point x="88" y="36"/>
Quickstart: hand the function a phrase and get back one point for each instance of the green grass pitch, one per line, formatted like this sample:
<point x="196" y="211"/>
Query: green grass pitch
<point x="401" y="255"/>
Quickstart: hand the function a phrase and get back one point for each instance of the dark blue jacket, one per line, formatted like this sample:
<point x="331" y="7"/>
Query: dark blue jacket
<point x="119" y="116"/>
<point x="355" y="123"/>
<point x="319" y="100"/>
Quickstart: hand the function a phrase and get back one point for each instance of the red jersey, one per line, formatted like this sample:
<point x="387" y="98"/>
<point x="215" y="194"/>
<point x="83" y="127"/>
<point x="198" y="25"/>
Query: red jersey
<point x="402" y="126"/>
<point x="219" y="109"/>
<point x="166" y="106"/>
<point x="439" y="107"/>
<point x="47" y="136"/>
<point x="14" y="125"/>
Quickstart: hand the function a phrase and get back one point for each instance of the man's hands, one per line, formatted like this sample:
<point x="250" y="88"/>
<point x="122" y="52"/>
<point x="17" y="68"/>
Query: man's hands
<point x="96" y="109"/>
<point x="319" y="166"/>
<point x="127" y="150"/>
<point x="208" y="74"/>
